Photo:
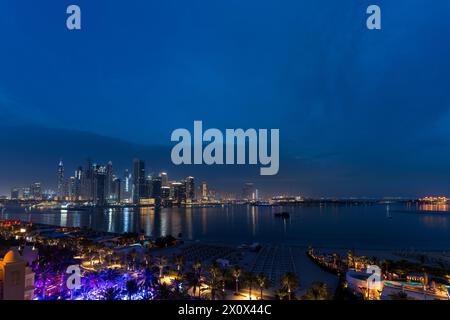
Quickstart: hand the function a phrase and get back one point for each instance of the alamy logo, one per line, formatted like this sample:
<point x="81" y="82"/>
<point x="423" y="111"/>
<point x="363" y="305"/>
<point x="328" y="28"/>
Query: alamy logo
<point x="374" y="279"/>
<point x="374" y="20"/>
<point x="73" y="22"/>
<point x="235" y="140"/>
<point x="74" y="280"/>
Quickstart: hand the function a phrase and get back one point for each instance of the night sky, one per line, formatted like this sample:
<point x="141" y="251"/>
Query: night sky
<point x="360" y="112"/>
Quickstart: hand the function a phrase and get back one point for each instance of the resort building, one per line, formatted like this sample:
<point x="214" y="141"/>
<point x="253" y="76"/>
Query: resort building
<point x="361" y="285"/>
<point x="16" y="279"/>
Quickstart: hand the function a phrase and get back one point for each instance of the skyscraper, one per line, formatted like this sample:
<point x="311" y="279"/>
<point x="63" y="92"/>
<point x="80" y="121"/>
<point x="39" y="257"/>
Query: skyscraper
<point x="164" y="179"/>
<point x="78" y="183"/>
<point x="71" y="188"/>
<point x="127" y="186"/>
<point x="109" y="187"/>
<point x="26" y="193"/>
<point x="60" y="181"/>
<point x="36" y="191"/>
<point x="99" y="185"/>
<point x="248" y="192"/>
<point x="157" y="190"/>
<point x="138" y="180"/>
<point x="15" y="193"/>
<point x="178" y="192"/>
<point x="88" y="182"/>
<point x="117" y="189"/>
<point x="190" y="189"/>
<point x="165" y="193"/>
<point x="204" y="191"/>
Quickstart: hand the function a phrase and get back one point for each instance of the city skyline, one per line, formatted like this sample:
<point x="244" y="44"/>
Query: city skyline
<point x="130" y="187"/>
<point x="66" y="181"/>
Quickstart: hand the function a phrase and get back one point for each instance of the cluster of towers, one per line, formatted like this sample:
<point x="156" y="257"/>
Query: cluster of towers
<point x="99" y="185"/>
<point x="93" y="183"/>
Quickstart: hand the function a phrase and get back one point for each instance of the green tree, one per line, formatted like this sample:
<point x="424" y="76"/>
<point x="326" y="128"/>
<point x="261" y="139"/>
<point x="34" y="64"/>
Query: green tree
<point x="318" y="291"/>
<point x="236" y="273"/>
<point x="250" y="281"/>
<point x="215" y="280"/>
<point x="131" y="288"/>
<point x="193" y="281"/>
<point x="179" y="263"/>
<point x="290" y="282"/>
<point x="263" y="283"/>
<point x="161" y="263"/>
<point x="350" y="259"/>
<point x="111" y="294"/>
<point x="197" y="266"/>
<point x="399" y="296"/>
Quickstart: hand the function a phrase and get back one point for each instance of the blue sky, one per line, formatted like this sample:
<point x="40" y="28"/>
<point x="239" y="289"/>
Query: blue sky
<point x="357" y="109"/>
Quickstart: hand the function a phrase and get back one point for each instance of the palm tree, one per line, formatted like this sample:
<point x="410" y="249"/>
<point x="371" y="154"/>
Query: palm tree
<point x="236" y="272"/>
<point x="179" y="262"/>
<point x="281" y="294"/>
<point x="161" y="263"/>
<point x="250" y="280"/>
<point x="318" y="291"/>
<point x="290" y="282"/>
<point x="164" y="292"/>
<point x="131" y="288"/>
<point x="263" y="283"/>
<point x="109" y="275"/>
<point x="350" y="259"/>
<point x="146" y="281"/>
<point x="197" y="266"/>
<point x="46" y="270"/>
<point x="399" y="296"/>
<point x="215" y="286"/>
<point x="335" y="260"/>
<point x="425" y="285"/>
<point x="193" y="282"/>
<point x="111" y="294"/>
<point x="133" y="256"/>
<point x="215" y="279"/>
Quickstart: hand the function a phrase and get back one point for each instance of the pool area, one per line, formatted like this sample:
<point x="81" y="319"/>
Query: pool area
<point x="414" y="290"/>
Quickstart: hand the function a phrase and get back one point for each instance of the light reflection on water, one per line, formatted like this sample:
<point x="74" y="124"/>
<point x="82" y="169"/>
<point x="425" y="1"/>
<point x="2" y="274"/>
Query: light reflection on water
<point x="340" y="226"/>
<point x="441" y="207"/>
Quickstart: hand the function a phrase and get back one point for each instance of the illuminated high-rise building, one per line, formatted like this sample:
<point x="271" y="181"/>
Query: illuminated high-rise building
<point x="204" y="191"/>
<point x="99" y="185"/>
<point x="60" y="181"/>
<point x="127" y="186"/>
<point x="71" y="188"/>
<point x="88" y="182"/>
<point x="138" y="180"/>
<point x="156" y="187"/>
<point x="109" y="187"/>
<point x="78" y="183"/>
<point x="164" y="179"/>
<point x="248" y="192"/>
<point x="117" y="190"/>
<point x="26" y="193"/>
<point x="190" y="189"/>
<point x="36" y="191"/>
<point x="178" y="190"/>
<point x="165" y="193"/>
<point x="15" y="193"/>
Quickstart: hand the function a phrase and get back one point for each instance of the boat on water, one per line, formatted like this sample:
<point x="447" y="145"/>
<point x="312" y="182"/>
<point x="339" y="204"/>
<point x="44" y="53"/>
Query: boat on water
<point x="284" y="215"/>
<point x="388" y="212"/>
<point x="261" y="204"/>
